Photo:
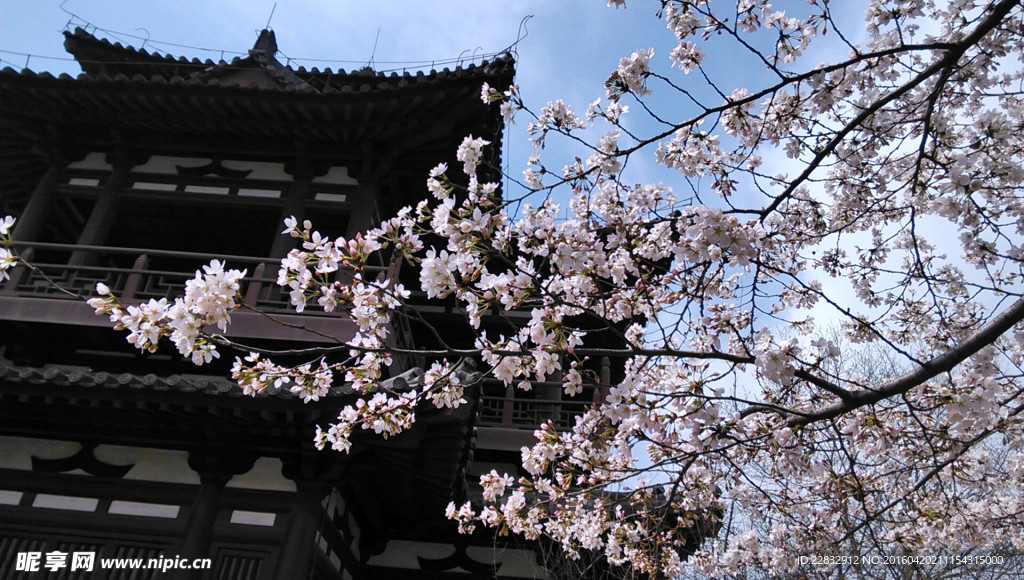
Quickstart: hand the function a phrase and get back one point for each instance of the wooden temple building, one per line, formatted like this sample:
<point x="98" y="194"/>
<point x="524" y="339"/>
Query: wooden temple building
<point x="136" y="173"/>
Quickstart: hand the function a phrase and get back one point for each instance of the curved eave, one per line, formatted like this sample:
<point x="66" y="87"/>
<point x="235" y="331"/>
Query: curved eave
<point x="33" y="398"/>
<point x="39" y="112"/>
<point x="95" y="55"/>
<point x="183" y="106"/>
<point x="403" y="481"/>
<point x="100" y="57"/>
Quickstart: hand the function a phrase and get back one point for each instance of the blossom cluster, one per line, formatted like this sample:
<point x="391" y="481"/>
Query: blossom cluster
<point x="210" y="298"/>
<point x="308" y="382"/>
<point x="7" y="258"/>
<point x="631" y="75"/>
<point x="510" y="100"/>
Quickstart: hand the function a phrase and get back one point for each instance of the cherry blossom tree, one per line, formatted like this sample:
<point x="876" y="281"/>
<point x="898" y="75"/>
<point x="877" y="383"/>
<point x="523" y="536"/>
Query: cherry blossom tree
<point x="879" y="190"/>
<point x="862" y="554"/>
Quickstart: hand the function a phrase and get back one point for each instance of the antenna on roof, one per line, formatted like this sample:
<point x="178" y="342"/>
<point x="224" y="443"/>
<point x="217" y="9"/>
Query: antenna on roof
<point x="271" y="17"/>
<point x="374" y="51"/>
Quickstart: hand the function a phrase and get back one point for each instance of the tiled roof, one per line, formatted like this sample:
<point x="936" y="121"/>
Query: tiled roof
<point x="183" y="383"/>
<point x="102" y="60"/>
<point x="83" y="377"/>
<point x="127" y="93"/>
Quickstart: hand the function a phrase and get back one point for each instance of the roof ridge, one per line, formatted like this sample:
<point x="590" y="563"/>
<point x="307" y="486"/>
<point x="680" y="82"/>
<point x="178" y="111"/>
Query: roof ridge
<point x="93" y="53"/>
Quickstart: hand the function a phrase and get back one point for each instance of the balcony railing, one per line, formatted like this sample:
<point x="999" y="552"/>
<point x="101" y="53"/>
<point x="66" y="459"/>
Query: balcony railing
<point x="512" y="408"/>
<point x="135" y="275"/>
<point x="65" y="272"/>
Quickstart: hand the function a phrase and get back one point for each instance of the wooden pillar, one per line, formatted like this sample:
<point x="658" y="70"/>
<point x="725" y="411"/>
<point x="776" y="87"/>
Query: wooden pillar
<point x="508" y="406"/>
<point x="303" y="523"/>
<point x="370" y="172"/>
<point x="199" y="529"/>
<point x="215" y="469"/>
<point x="604" y="387"/>
<point x="314" y="476"/>
<point x="294" y="202"/>
<point x="365" y="214"/>
<point x="30" y="223"/>
<point x="104" y="213"/>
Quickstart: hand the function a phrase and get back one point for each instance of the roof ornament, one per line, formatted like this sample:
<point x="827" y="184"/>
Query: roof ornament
<point x="72" y="15"/>
<point x="523" y="33"/>
<point x="472" y="55"/>
<point x="266" y="44"/>
<point x="143" y="47"/>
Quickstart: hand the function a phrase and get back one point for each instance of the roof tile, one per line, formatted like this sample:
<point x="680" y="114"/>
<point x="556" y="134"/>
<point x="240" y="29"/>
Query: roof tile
<point x="187" y="383"/>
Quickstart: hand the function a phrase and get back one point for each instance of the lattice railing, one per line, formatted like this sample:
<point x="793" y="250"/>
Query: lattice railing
<point x="511" y="407"/>
<point x="135" y="274"/>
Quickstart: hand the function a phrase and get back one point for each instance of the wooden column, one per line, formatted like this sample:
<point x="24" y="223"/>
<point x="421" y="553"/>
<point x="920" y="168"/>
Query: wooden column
<point x="30" y="223"/>
<point x="314" y="476"/>
<point x="104" y="213"/>
<point x="370" y="172"/>
<point x="365" y="214"/>
<point x="294" y="203"/>
<point x="604" y="387"/>
<point x="303" y="523"/>
<point x="550" y="392"/>
<point x="215" y="469"/>
<point x="199" y="529"/>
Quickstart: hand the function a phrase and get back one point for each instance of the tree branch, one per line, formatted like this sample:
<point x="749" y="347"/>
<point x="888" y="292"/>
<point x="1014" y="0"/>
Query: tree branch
<point x="953" y="54"/>
<point x="945" y="362"/>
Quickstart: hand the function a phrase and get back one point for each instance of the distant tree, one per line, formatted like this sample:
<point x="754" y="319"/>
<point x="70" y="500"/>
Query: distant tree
<point x="880" y="190"/>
